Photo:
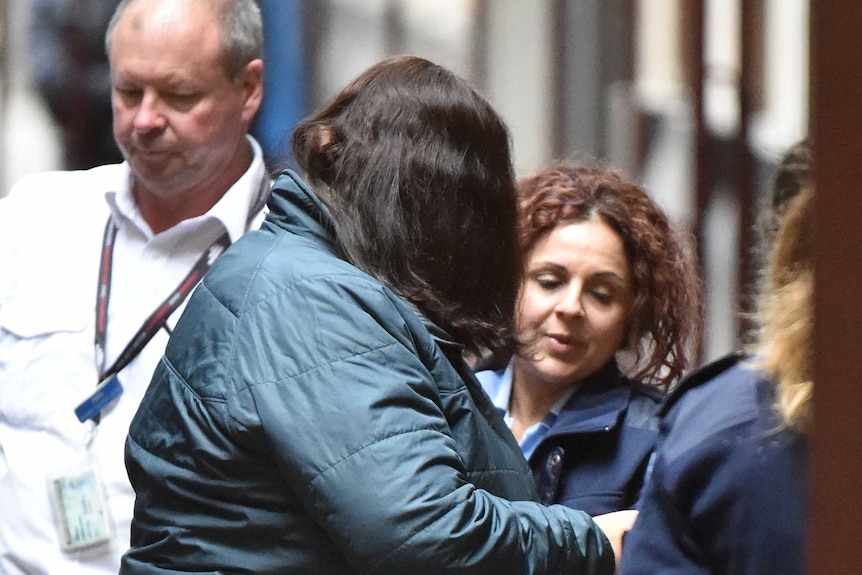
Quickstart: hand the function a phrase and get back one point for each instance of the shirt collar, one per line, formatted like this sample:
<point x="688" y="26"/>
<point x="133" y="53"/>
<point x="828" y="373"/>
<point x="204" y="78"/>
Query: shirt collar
<point x="235" y="211"/>
<point x="238" y="207"/>
<point x="503" y="394"/>
<point x="122" y="203"/>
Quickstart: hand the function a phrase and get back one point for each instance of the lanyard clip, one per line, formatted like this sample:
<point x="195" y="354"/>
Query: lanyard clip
<point x="104" y="395"/>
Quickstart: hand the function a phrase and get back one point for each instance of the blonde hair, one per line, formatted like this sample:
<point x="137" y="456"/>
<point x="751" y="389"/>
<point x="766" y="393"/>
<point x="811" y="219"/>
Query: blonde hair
<point x="785" y="313"/>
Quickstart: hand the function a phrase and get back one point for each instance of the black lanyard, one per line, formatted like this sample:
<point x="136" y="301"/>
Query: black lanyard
<point x="159" y="317"/>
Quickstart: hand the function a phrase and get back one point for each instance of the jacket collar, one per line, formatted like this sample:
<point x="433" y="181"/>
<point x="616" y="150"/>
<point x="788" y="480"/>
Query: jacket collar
<point x="295" y="208"/>
<point x="598" y="404"/>
<point x="704" y="373"/>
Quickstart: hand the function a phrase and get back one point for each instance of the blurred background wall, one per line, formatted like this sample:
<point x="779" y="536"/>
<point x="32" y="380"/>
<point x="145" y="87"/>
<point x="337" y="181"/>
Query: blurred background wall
<point x="695" y="98"/>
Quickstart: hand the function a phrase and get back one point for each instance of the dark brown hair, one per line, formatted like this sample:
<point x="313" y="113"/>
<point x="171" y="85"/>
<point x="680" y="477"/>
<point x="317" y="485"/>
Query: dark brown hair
<point x="414" y="166"/>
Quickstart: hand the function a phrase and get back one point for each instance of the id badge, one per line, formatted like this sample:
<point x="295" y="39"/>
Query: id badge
<point x="81" y="510"/>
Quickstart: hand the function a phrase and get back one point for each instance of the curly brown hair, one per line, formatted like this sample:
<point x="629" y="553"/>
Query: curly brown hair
<point x="666" y="316"/>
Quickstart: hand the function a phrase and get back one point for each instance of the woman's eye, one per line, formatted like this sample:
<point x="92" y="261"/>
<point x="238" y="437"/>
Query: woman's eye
<point x="602" y="297"/>
<point x="602" y="294"/>
<point x="548" y="282"/>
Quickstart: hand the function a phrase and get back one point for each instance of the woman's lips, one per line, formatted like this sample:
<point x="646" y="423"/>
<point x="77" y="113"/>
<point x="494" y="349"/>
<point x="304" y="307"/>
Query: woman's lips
<point x="560" y="343"/>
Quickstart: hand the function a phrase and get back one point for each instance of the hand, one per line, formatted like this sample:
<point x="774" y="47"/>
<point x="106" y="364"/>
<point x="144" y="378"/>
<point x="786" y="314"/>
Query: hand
<point x="615" y="526"/>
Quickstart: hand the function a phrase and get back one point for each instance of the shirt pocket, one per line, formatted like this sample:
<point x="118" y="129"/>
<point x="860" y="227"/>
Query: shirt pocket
<point x="35" y="312"/>
<point x="47" y="358"/>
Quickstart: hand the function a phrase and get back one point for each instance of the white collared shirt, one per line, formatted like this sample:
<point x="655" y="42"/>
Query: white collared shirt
<point x="51" y="229"/>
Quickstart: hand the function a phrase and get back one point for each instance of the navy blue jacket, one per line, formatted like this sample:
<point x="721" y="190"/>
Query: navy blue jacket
<point x="595" y="454"/>
<point x="726" y="490"/>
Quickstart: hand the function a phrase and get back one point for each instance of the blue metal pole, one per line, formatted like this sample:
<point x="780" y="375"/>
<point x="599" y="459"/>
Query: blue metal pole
<point x="284" y="100"/>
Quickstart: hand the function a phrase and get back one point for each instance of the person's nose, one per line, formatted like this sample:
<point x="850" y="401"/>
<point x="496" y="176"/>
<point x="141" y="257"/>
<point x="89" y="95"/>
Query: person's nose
<point x="570" y="303"/>
<point x="149" y="116"/>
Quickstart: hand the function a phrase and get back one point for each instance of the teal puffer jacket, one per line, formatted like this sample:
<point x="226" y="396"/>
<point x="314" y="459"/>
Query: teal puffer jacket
<point x="305" y="419"/>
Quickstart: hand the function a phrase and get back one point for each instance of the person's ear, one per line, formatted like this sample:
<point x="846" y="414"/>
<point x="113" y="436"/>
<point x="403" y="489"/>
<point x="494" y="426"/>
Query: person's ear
<point x="252" y="88"/>
<point x="326" y="136"/>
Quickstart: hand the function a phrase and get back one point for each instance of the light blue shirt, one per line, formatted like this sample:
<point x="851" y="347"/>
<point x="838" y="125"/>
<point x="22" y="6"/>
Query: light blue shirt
<point x="498" y="386"/>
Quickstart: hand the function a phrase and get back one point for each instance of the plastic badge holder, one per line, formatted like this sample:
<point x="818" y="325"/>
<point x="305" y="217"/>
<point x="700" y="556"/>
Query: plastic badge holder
<point x="80" y="509"/>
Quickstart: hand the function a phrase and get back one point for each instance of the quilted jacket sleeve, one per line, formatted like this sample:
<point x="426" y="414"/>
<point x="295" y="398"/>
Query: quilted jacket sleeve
<point x="357" y="423"/>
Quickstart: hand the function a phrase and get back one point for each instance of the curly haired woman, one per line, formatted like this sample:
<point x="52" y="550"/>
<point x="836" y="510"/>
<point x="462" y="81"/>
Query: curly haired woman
<point x="608" y="308"/>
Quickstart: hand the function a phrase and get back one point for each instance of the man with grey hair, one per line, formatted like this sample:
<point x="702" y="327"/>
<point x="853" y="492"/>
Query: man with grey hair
<point x="96" y="266"/>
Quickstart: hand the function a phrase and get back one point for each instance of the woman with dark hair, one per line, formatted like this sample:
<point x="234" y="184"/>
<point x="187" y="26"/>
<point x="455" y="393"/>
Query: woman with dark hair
<point x="607" y="314"/>
<point x="727" y="491"/>
<point x="313" y="412"/>
<point x="397" y="164"/>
